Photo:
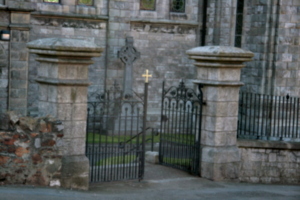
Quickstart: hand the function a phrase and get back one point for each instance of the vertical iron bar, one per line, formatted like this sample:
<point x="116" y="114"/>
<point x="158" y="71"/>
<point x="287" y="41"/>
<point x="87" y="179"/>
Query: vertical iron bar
<point x="255" y="115"/>
<point x="262" y="116"/>
<point x="141" y="175"/>
<point x="240" y="115"/>
<point x="199" y="150"/>
<point x="282" y="118"/>
<point x="267" y="106"/>
<point x="285" y="112"/>
<point x="286" y="117"/>
<point x="274" y="117"/>
<point x="125" y="145"/>
<point x="93" y="145"/>
<point x="138" y="155"/>
<point x="249" y="114"/>
<point x="152" y="139"/>
<point x="290" y="117"/>
<point x="294" y="111"/>
<point x="297" y="126"/>
<point x="259" y="116"/>
<point x="278" y="117"/>
<point x="118" y="167"/>
<point x="162" y="126"/>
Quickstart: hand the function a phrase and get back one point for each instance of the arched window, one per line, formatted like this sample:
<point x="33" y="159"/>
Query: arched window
<point x="177" y="6"/>
<point x="85" y="2"/>
<point x="147" y="4"/>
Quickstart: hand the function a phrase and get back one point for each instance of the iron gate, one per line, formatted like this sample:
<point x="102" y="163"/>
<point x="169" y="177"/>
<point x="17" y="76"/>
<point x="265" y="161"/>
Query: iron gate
<point x="181" y="128"/>
<point x="114" y="142"/>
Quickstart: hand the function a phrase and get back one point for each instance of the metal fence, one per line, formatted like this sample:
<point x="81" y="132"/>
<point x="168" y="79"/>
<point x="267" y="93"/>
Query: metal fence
<point x="181" y="114"/>
<point x="115" y="136"/>
<point x="268" y="117"/>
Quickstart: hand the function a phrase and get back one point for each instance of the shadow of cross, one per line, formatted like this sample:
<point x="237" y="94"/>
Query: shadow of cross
<point x="128" y="54"/>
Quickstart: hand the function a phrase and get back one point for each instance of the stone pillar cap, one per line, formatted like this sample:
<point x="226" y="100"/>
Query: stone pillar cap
<point x="64" y="46"/>
<point x="220" y="51"/>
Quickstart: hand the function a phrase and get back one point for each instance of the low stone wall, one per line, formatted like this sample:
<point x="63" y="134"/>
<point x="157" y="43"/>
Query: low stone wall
<point x="269" y="161"/>
<point x="30" y="151"/>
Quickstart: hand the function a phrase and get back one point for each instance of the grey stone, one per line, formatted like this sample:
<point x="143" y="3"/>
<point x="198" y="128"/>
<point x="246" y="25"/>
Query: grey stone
<point x="128" y="54"/>
<point x="151" y="157"/>
<point x="75" y="172"/>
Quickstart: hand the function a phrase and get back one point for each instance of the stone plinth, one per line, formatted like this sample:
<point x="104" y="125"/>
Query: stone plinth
<point x="63" y="82"/>
<point x="218" y="70"/>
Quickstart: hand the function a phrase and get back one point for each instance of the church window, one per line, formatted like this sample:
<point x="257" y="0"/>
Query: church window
<point x="51" y="1"/>
<point x="147" y="4"/>
<point x="239" y="23"/>
<point x="178" y="6"/>
<point x="85" y="2"/>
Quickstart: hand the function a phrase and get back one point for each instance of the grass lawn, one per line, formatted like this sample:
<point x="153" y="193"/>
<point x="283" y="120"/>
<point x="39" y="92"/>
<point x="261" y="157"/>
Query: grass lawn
<point x="117" y="160"/>
<point x="97" y="138"/>
<point x="180" y="138"/>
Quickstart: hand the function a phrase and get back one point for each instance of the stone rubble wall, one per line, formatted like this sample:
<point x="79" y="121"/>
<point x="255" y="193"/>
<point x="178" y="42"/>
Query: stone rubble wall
<point x="269" y="162"/>
<point x="30" y="150"/>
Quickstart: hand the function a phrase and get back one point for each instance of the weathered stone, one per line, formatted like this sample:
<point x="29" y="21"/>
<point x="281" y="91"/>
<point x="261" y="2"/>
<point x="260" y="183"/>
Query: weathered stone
<point x="20" y="151"/>
<point x="36" y="158"/>
<point x="75" y="172"/>
<point x="4" y="159"/>
<point x="13" y="118"/>
<point x="27" y="123"/>
<point x="219" y="74"/>
<point x="48" y="142"/>
<point x="151" y="157"/>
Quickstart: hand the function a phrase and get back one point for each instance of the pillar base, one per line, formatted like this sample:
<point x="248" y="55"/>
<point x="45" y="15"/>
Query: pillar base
<point x="220" y="163"/>
<point x="75" y="172"/>
<point x="220" y="171"/>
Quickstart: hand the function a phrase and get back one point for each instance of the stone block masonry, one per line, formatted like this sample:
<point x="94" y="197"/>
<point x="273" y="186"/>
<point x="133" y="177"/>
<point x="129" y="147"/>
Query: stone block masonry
<point x="269" y="162"/>
<point x="63" y="81"/>
<point x="30" y="152"/>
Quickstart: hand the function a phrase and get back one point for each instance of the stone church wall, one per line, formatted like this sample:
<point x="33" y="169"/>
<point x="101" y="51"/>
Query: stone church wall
<point x="4" y="46"/>
<point x="68" y="21"/>
<point x="271" y="31"/>
<point x="162" y="37"/>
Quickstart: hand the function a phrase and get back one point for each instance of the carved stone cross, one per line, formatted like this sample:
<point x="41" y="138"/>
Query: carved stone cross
<point x="128" y="54"/>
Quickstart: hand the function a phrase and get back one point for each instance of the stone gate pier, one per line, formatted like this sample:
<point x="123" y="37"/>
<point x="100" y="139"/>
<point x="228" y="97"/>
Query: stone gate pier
<point x="218" y="71"/>
<point x="63" y="82"/>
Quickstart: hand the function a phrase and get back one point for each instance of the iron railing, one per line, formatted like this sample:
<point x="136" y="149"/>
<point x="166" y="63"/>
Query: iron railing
<point x="268" y="117"/>
<point x="180" y="135"/>
<point x="115" y="131"/>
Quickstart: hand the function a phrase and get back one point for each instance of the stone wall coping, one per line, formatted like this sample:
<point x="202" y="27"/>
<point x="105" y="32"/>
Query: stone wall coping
<point x="217" y="64"/>
<point x="20" y="9"/>
<point x="220" y="51"/>
<point x="64" y="45"/>
<point x="65" y="60"/>
<point x="218" y="58"/>
<point x="263" y="144"/>
<point x="163" y="21"/>
<point x="69" y="15"/>
<point x="20" y="26"/>
<point x="3" y="7"/>
<point x="65" y="82"/>
<point x="218" y="83"/>
<point x="5" y="25"/>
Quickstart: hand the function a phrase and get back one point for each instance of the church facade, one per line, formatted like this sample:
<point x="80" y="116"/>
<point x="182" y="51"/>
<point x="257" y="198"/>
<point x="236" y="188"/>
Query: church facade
<point x="162" y="31"/>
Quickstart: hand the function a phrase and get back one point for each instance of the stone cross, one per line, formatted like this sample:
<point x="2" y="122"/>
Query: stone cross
<point x="128" y="54"/>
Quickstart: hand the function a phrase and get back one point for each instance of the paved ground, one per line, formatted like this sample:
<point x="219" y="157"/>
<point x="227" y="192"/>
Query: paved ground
<point x="160" y="183"/>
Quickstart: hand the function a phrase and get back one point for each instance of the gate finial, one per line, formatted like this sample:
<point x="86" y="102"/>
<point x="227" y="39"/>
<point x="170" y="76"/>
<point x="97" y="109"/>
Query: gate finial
<point x="147" y="76"/>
